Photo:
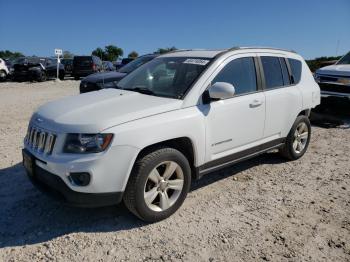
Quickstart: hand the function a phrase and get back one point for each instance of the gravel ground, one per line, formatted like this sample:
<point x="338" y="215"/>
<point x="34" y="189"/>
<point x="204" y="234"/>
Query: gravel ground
<point x="264" y="209"/>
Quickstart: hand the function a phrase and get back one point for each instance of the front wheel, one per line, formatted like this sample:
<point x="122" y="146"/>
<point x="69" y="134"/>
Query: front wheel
<point x="3" y="75"/>
<point x="42" y="76"/>
<point x="298" y="139"/>
<point x="158" y="184"/>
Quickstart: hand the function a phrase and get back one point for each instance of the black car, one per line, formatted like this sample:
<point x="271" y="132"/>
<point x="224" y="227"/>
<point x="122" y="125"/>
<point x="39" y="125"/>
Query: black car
<point x="36" y="69"/>
<point x="99" y="81"/>
<point x="68" y="65"/>
<point x="123" y="62"/>
<point x="86" y="65"/>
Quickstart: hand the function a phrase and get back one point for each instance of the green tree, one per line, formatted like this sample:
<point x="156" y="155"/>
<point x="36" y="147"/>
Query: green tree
<point x="7" y="54"/>
<point x="99" y="52"/>
<point x="67" y="54"/>
<point x="113" y="52"/>
<point x="165" y="50"/>
<point x="133" y="54"/>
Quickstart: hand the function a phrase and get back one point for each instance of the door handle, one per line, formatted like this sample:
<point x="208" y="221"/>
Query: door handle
<point x="255" y="103"/>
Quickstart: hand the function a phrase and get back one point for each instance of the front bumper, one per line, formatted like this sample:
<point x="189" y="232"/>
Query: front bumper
<point x="334" y="90"/>
<point x="55" y="187"/>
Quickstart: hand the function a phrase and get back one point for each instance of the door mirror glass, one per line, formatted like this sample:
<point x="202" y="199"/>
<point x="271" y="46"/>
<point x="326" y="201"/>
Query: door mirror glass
<point x="221" y="90"/>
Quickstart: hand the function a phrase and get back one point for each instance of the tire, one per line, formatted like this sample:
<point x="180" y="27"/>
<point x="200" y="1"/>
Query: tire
<point x="144" y="181"/>
<point x="297" y="141"/>
<point x="76" y="77"/>
<point x="42" y="77"/>
<point x="61" y="75"/>
<point x="3" y="75"/>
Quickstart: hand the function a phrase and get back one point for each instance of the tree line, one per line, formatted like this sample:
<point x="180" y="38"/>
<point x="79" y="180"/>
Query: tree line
<point x="108" y="53"/>
<point x="112" y="53"/>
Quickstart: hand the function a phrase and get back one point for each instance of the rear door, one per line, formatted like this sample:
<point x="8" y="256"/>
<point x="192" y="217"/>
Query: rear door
<point x="283" y="98"/>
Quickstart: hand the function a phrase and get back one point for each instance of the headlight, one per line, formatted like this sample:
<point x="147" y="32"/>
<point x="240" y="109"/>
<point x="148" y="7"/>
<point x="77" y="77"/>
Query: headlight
<point x="87" y="143"/>
<point x="317" y="77"/>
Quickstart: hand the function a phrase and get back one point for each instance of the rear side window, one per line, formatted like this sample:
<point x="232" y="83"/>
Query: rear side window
<point x="241" y="74"/>
<point x="272" y="71"/>
<point x="286" y="78"/>
<point x="295" y="66"/>
<point x="82" y="60"/>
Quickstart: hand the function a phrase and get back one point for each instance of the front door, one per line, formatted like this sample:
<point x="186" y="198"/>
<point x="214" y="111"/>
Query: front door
<point x="237" y="123"/>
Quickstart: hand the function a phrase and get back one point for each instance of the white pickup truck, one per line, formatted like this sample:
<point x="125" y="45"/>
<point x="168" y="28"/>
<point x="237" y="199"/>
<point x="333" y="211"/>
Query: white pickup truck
<point x="180" y="116"/>
<point x="334" y="80"/>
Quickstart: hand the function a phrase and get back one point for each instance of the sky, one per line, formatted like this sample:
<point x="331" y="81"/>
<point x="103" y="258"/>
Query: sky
<point x="312" y="28"/>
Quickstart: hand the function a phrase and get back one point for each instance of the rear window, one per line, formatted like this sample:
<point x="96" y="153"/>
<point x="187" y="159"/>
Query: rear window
<point x="82" y="60"/>
<point x="272" y="71"/>
<point x="295" y="66"/>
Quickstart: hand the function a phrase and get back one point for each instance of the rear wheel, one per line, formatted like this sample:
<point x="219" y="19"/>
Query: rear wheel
<point x="298" y="139"/>
<point x="158" y="184"/>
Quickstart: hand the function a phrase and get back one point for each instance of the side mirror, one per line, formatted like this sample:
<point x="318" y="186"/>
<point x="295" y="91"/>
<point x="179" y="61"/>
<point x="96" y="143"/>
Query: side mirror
<point x="221" y="90"/>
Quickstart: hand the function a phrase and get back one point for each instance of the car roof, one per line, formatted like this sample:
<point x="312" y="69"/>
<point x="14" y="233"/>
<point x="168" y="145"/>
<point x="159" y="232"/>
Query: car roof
<point x="203" y="53"/>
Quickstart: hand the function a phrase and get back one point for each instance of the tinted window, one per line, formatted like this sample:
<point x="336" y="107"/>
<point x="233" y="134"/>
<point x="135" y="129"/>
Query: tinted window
<point x="295" y="66"/>
<point x="135" y="64"/>
<point x="345" y="60"/>
<point x="240" y="73"/>
<point x="272" y="71"/>
<point x="286" y="78"/>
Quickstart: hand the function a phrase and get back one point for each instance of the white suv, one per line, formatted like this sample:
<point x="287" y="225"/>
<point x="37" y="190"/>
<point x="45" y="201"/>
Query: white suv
<point x="174" y="119"/>
<point x="3" y="70"/>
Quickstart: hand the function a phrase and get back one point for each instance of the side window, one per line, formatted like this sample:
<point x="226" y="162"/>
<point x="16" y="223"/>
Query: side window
<point x="286" y="78"/>
<point x="272" y="71"/>
<point x="295" y="66"/>
<point x="240" y="73"/>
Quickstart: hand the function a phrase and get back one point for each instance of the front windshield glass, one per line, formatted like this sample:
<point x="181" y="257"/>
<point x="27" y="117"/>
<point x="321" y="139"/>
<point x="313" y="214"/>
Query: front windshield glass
<point x="135" y="64"/>
<point x="345" y="60"/>
<point x="166" y="76"/>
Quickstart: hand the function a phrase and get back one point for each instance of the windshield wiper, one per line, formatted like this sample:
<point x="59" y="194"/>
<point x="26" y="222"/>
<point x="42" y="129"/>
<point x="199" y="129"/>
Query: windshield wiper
<point x="141" y="90"/>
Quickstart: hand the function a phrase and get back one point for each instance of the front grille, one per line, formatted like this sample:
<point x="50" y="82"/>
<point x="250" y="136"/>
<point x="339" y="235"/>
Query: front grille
<point x="40" y="140"/>
<point x="335" y="88"/>
<point x="328" y="79"/>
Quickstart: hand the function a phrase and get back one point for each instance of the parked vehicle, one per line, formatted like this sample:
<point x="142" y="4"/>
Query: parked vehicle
<point x="123" y="62"/>
<point x="180" y="116"/>
<point x="102" y="80"/>
<point x="86" y="65"/>
<point x="37" y="69"/>
<point x="4" y="71"/>
<point x="108" y="66"/>
<point x="68" y="65"/>
<point x="334" y="80"/>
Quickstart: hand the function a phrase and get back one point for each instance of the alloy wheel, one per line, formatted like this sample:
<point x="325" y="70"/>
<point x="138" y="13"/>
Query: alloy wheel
<point x="301" y="136"/>
<point x="163" y="186"/>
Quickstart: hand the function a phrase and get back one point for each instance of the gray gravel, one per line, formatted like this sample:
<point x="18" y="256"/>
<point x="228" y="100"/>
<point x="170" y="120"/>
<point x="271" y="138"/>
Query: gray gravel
<point x="264" y="209"/>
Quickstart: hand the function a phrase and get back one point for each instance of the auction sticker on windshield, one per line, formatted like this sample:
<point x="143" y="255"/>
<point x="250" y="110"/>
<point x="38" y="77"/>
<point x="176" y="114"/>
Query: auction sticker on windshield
<point x="196" y="61"/>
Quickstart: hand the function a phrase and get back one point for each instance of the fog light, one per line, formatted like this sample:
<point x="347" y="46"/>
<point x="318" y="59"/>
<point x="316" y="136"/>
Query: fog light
<point x="79" y="179"/>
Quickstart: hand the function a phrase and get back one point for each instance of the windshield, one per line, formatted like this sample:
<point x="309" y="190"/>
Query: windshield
<point x="345" y="60"/>
<point x="135" y="64"/>
<point x="166" y="76"/>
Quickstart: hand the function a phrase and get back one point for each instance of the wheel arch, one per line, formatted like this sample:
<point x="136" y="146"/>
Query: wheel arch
<point x="183" y="144"/>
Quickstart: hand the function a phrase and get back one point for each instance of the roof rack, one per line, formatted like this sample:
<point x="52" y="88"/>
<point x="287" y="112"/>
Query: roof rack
<point x="261" y="47"/>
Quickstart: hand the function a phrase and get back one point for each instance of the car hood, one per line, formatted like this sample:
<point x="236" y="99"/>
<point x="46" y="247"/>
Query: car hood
<point x="105" y="76"/>
<point x="96" y="111"/>
<point x="336" y="70"/>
